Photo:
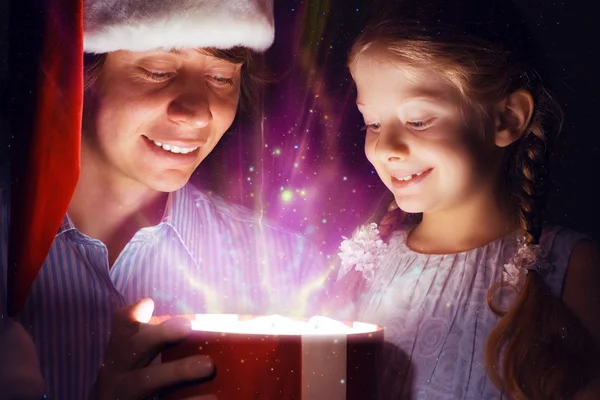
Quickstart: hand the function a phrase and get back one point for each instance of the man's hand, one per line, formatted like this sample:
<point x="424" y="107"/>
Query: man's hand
<point x="127" y="372"/>
<point x="20" y="373"/>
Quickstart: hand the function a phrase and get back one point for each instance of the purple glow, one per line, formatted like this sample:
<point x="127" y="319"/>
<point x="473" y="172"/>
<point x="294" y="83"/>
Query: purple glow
<point x="303" y="166"/>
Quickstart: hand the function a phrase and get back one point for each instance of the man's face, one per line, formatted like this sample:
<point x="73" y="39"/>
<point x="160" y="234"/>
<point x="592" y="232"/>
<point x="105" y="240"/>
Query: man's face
<point x="154" y="116"/>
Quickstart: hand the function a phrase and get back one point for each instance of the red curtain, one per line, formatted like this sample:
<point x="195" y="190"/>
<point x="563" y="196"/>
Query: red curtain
<point x="43" y="185"/>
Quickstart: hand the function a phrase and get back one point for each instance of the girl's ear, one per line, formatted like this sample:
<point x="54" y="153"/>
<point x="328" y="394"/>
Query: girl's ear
<point x="512" y="117"/>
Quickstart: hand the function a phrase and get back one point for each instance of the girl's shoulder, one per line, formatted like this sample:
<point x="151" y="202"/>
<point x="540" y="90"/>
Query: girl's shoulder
<point x="559" y="242"/>
<point x="556" y="240"/>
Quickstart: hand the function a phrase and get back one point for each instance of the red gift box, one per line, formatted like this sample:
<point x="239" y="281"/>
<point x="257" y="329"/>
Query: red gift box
<point x="283" y="366"/>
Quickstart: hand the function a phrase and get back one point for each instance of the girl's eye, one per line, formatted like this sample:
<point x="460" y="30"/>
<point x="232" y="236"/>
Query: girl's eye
<point x="371" y="127"/>
<point x="420" y="125"/>
<point x="158" y="76"/>
<point x="221" y="80"/>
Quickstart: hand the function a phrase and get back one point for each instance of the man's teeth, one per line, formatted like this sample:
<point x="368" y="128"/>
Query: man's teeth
<point x="409" y="177"/>
<point x="175" y="149"/>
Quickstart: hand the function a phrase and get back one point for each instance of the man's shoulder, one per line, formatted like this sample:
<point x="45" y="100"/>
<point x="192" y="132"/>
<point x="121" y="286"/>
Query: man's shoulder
<point x="209" y="202"/>
<point x="212" y="207"/>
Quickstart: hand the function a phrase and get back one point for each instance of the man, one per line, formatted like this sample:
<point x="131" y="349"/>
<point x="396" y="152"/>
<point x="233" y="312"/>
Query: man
<point x="162" y="88"/>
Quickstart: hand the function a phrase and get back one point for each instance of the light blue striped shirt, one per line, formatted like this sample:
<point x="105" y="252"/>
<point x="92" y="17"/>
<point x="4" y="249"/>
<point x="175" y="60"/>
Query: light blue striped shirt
<point x="205" y="256"/>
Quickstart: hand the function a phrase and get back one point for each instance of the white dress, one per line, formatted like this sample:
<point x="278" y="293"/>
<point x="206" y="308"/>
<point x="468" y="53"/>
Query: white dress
<point x="435" y="314"/>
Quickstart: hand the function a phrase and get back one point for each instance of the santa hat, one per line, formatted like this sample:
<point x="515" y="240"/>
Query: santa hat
<point x="48" y="171"/>
<point x="140" y="25"/>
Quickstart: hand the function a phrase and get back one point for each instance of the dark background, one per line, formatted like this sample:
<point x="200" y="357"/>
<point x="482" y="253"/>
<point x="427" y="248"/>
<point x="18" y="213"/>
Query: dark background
<point x="302" y="162"/>
<point x="3" y="77"/>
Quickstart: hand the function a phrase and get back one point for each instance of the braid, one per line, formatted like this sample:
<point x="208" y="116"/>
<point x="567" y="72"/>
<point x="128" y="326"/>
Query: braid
<point x="533" y="158"/>
<point x="537" y="344"/>
<point x="390" y="221"/>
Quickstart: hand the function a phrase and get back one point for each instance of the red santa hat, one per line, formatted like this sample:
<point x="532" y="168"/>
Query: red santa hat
<point x="41" y="193"/>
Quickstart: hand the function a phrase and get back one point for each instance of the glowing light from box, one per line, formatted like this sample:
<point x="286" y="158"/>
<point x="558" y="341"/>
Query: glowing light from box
<point x="277" y="325"/>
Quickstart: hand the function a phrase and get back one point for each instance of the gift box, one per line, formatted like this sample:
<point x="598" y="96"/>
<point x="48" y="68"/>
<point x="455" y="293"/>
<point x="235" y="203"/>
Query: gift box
<point x="272" y="357"/>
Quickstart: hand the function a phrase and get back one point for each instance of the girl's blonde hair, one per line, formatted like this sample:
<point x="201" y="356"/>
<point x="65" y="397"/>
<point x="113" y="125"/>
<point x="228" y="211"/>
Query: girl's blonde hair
<point x="538" y="349"/>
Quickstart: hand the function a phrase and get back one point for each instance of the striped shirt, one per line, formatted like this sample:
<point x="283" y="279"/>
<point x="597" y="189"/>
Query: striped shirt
<point x="206" y="256"/>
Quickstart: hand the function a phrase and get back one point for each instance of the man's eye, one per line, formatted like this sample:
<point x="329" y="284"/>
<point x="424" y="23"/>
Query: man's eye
<point x="158" y="76"/>
<point x="221" y="80"/>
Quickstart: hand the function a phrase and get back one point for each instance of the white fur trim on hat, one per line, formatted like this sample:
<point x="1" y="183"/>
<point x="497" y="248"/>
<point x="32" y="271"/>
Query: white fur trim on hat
<point x="141" y="25"/>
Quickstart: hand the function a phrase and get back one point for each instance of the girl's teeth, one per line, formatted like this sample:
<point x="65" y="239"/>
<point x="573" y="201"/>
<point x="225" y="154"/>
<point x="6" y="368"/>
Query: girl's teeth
<point x="409" y="177"/>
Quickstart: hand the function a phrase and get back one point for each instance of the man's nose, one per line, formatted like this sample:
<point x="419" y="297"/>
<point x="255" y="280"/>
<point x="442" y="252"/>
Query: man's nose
<point x="192" y="108"/>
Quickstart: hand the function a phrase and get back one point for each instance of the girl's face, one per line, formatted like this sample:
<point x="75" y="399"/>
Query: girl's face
<point x="427" y="146"/>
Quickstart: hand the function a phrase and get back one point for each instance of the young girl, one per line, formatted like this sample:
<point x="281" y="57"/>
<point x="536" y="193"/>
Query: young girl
<point x="479" y="299"/>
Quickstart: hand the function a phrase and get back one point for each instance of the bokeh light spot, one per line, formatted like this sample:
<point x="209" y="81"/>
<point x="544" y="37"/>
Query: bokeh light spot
<point x="287" y="196"/>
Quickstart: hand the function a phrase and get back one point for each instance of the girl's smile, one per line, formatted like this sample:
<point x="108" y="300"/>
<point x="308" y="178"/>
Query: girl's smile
<point x="404" y="181"/>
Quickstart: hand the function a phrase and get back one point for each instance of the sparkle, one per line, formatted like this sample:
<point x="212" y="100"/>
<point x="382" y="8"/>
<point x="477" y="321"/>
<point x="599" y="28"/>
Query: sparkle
<point x="299" y="146"/>
<point x="287" y="196"/>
